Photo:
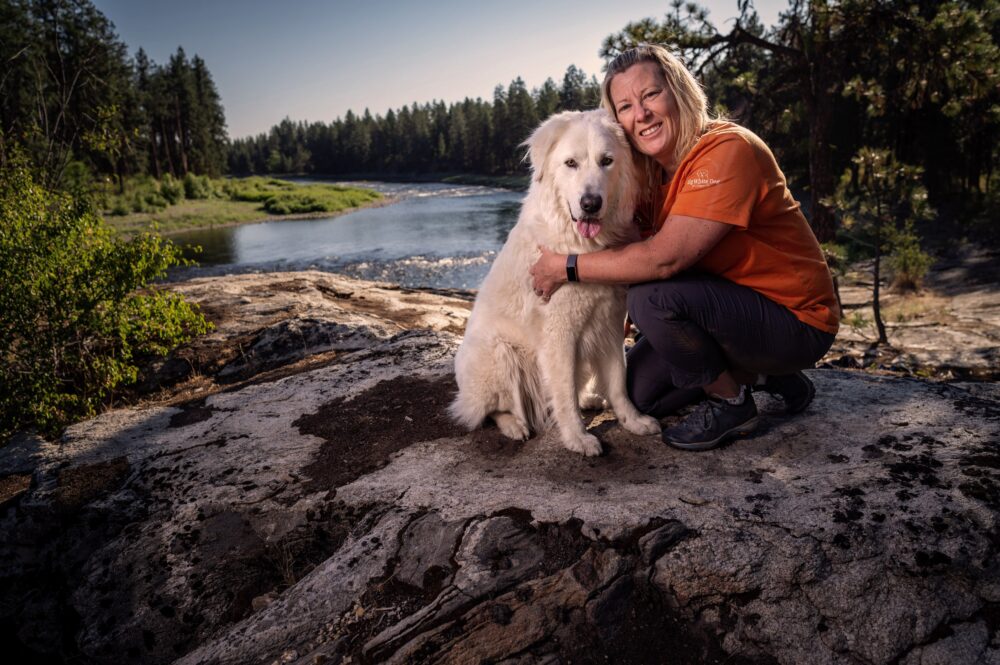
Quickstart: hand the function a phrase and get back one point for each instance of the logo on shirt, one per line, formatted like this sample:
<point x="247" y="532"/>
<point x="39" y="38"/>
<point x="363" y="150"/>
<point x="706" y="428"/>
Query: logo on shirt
<point x="700" y="179"/>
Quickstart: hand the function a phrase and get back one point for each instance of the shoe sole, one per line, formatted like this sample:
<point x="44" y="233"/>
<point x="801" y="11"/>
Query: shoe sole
<point x="740" y="430"/>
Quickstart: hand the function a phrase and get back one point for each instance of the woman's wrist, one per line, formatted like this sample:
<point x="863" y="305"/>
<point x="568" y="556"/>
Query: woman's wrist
<point x="571" y="273"/>
<point x="557" y="268"/>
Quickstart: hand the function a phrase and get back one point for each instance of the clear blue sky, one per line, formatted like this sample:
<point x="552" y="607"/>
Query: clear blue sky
<point x="314" y="60"/>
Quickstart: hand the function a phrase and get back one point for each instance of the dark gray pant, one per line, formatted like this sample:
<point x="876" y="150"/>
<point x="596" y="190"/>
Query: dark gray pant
<point x="696" y="326"/>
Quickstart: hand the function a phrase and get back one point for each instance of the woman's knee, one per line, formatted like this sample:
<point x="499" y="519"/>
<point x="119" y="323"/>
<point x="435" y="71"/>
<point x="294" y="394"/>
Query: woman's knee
<point x="656" y="300"/>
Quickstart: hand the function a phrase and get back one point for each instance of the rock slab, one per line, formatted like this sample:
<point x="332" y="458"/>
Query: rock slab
<point x="332" y="514"/>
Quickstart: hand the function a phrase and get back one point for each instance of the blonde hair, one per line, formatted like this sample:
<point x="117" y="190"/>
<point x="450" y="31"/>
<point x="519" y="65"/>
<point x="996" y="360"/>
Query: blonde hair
<point x="692" y="107"/>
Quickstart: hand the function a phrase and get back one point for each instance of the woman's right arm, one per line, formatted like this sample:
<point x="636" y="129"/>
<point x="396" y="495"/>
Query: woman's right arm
<point x="679" y="244"/>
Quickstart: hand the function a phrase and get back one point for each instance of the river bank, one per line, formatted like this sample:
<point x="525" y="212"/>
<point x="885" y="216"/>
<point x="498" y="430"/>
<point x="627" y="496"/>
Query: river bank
<point x="233" y="202"/>
<point x="190" y="216"/>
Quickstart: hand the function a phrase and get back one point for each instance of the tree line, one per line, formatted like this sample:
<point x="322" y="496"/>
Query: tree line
<point x="77" y="105"/>
<point x="916" y="77"/>
<point x="473" y="136"/>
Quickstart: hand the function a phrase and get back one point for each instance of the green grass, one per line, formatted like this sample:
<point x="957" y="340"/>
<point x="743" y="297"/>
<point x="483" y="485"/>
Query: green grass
<point x="280" y="197"/>
<point x="145" y="203"/>
<point x="189" y="215"/>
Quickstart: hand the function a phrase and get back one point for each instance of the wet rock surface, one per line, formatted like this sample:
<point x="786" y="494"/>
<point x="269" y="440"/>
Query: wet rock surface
<point x="319" y="508"/>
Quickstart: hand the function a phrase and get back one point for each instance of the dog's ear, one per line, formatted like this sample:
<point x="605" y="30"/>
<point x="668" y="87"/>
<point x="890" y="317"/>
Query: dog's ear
<point x="542" y="140"/>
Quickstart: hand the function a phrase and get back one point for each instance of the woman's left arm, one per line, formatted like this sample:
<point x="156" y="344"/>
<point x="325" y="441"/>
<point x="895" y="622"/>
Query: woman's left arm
<point x="679" y="244"/>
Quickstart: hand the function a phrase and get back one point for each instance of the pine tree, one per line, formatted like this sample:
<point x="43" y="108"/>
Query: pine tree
<point x="546" y="99"/>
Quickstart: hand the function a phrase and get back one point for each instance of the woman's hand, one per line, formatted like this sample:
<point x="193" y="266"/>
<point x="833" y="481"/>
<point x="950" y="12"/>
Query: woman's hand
<point x="548" y="273"/>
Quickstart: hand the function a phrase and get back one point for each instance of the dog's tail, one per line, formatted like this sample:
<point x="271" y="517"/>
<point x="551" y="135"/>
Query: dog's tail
<point x="507" y="382"/>
<point x="467" y="411"/>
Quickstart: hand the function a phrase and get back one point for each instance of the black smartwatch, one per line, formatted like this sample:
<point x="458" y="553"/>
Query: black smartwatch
<point x="571" y="268"/>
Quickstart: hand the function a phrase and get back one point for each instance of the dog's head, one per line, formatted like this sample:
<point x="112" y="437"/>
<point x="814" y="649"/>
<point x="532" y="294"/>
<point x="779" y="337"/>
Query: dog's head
<point x="583" y="158"/>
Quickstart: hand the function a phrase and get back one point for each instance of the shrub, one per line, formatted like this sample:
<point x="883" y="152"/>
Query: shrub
<point x="908" y="262"/>
<point x="147" y="200"/>
<point x="77" y="177"/>
<point x="76" y="309"/>
<point x="198" y="187"/>
<point x="316" y="198"/>
<point x="171" y="189"/>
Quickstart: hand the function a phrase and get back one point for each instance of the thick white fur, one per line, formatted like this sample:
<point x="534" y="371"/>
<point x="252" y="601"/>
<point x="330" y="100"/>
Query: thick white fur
<point x="523" y="361"/>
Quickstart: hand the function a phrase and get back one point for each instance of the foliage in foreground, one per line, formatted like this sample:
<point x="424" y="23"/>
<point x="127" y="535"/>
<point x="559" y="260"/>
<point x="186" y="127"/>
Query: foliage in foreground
<point x="77" y="313"/>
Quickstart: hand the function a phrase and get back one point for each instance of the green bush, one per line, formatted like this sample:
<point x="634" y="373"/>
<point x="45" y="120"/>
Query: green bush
<point x="171" y="189"/>
<point x="77" y="178"/>
<point x="147" y="200"/>
<point x="280" y="197"/>
<point x="76" y="309"/>
<point x="908" y="262"/>
<point x="198" y="187"/>
<point x="255" y="189"/>
<point x="317" y="198"/>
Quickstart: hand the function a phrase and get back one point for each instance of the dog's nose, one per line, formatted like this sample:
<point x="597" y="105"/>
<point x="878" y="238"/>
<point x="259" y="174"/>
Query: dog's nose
<point x="590" y="203"/>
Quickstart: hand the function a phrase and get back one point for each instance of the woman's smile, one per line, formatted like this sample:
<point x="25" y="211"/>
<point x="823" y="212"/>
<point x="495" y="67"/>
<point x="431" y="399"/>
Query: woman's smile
<point x="649" y="131"/>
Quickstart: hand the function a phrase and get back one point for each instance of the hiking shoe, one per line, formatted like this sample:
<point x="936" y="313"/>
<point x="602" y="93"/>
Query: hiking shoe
<point x="711" y="423"/>
<point x="795" y="390"/>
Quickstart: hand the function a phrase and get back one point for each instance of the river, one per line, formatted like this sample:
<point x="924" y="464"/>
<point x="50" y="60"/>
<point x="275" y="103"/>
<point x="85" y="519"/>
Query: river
<point x="436" y="235"/>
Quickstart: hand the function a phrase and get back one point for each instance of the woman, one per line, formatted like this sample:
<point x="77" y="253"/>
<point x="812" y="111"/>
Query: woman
<point x="731" y="289"/>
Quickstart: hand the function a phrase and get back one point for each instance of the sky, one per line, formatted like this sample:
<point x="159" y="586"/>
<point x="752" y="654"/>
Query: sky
<point x="313" y="60"/>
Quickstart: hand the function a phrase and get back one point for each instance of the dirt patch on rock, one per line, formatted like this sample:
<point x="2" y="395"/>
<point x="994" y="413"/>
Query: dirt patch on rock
<point x="195" y="412"/>
<point x="13" y="486"/>
<point x="80" y="485"/>
<point x="361" y="433"/>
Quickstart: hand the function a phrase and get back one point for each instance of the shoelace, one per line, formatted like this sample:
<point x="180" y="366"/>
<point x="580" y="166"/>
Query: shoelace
<point x="707" y="414"/>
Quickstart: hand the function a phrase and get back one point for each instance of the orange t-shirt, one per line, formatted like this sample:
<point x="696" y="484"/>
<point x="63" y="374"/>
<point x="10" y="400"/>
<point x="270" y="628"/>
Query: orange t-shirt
<point x="731" y="176"/>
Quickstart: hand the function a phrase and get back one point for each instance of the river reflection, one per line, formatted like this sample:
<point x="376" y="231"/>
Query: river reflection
<point x="437" y="235"/>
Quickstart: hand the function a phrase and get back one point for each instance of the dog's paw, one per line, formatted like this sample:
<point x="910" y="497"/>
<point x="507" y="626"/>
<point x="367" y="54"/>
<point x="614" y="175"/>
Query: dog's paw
<point x="585" y="444"/>
<point x="592" y="402"/>
<point x="640" y="424"/>
<point x="511" y="426"/>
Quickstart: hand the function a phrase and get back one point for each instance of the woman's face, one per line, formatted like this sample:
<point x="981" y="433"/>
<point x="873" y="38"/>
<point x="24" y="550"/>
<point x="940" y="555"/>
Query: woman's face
<point x="646" y="110"/>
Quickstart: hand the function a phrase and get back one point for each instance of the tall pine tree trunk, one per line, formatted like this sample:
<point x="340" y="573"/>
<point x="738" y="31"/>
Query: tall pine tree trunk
<point x="821" y="181"/>
<point x="819" y="106"/>
<point x="156" y="153"/>
<point x="166" y="148"/>
<point x="180" y="137"/>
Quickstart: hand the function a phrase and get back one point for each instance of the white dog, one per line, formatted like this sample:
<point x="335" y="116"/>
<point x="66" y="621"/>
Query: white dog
<point x="522" y="359"/>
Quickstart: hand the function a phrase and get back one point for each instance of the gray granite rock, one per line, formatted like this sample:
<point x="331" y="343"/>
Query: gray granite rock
<point x="330" y="513"/>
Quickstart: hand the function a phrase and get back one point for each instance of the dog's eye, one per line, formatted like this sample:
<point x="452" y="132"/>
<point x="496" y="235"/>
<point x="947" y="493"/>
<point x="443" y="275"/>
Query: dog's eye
<point x="571" y="163"/>
<point x="607" y="161"/>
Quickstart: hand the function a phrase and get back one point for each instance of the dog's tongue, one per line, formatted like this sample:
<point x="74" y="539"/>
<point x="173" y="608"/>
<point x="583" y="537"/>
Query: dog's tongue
<point x="587" y="228"/>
